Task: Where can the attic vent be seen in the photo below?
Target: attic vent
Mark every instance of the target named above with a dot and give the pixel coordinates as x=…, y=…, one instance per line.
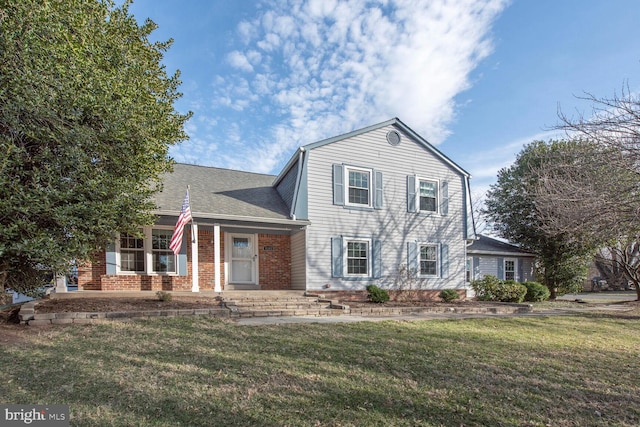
x=393, y=137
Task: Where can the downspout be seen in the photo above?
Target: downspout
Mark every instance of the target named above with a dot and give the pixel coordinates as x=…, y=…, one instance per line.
x=470, y=211
x=294, y=203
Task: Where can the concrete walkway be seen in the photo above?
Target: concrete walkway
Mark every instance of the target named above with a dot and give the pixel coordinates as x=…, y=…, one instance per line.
x=610, y=296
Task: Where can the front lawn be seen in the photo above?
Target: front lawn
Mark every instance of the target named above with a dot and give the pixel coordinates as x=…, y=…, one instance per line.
x=551, y=371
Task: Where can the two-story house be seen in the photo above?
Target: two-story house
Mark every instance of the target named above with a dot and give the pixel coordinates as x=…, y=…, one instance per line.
x=379, y=205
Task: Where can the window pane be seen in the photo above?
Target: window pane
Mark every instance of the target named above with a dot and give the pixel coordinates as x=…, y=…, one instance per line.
x=160, y=239
x=132, y=261
x=242, y=247
x=357, y=258
x=131, y=253
x=428, y=196
x=128, y=241
x=163, y=259
x=164, y=262
x=428, y=260
x=358, y=196
x=509, y=270
x=357, y=266
x=359, y=187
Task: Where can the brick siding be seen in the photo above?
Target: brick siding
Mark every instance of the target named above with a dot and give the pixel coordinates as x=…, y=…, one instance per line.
x=274, y=268
x=274, y=254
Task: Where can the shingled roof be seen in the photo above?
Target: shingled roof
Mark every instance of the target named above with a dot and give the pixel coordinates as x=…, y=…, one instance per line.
x=486, y=245
x=221, y=193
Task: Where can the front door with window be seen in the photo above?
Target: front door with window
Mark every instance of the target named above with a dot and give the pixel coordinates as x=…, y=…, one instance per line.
x=243, y=259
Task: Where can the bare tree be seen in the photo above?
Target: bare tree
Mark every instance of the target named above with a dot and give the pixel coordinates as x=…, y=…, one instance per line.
x=591, y=191
x=619, y=264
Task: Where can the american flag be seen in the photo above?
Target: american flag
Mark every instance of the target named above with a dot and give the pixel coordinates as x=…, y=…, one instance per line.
x=183, y=219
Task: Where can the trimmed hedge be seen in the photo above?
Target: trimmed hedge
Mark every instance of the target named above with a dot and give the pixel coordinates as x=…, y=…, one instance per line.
x=490, y=288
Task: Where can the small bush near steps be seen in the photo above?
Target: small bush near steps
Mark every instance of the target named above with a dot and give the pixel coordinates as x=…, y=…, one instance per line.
x=448, y=295
x=376, y=294
x=164, y=296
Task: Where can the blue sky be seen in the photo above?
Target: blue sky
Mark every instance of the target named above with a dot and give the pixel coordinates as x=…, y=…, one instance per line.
x=477, y=78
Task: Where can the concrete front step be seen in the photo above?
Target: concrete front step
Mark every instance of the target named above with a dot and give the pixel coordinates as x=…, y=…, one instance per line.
x=264, y=305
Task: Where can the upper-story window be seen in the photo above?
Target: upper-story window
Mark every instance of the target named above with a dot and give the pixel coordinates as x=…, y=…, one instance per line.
x=359, y=187
x=428, y=193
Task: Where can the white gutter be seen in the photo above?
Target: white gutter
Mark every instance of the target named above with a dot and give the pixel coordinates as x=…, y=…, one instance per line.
x=222, y=217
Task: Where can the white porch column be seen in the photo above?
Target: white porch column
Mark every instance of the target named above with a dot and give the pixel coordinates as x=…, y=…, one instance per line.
x=195, y=285
x=61, y=283
x=216, y=258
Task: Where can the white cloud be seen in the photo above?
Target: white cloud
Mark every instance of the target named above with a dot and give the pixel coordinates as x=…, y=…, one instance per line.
x=319, y=68
x=239, y=60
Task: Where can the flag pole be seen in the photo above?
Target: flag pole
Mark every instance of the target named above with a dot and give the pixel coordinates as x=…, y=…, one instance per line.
x=195, y=285
x=193, y=238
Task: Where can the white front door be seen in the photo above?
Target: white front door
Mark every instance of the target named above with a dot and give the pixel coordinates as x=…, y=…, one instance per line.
x=243, y=259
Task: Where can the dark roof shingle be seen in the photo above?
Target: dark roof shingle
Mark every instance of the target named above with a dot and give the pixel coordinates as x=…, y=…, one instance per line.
x=216, y=191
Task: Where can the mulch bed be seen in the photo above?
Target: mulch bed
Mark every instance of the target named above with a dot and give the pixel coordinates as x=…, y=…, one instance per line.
x=105, y=305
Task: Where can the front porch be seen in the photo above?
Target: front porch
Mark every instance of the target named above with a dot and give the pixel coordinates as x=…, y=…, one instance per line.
x=224, y=257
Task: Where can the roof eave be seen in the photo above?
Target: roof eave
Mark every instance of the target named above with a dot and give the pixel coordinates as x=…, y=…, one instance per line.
x=240, y=218
x=292, y=161
x=501, y=253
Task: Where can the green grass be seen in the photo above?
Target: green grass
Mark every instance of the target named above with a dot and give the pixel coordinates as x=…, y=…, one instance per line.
x=549, y=371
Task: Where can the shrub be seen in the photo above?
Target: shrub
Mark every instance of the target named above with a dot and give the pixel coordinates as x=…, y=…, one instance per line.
x=449, y=295
x=512, y=291
x=490, y=288
x=164, y=296
x=376, y=294
x=536, y=292
x=486, y=289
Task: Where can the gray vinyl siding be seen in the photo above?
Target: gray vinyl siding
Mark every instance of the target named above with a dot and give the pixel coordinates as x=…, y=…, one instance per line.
x=489, y=265
x=286, y=186
x=528, y=272
x=392, y=224
x=298, y=260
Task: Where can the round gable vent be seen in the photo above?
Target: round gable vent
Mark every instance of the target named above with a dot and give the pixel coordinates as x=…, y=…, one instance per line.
x=393, y=137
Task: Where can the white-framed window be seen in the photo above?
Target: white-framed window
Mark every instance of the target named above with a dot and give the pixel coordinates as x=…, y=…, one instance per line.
x=358, y=185
x=131, y=253
x=428, y=259
x=357, y=257
x=509, y=269
x=469, y=269
x=428, y=195
x=163, y=258
x=146, y=255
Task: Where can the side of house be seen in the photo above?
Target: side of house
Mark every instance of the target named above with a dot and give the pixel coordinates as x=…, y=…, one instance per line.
x=489, y=256
x=385, y=208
